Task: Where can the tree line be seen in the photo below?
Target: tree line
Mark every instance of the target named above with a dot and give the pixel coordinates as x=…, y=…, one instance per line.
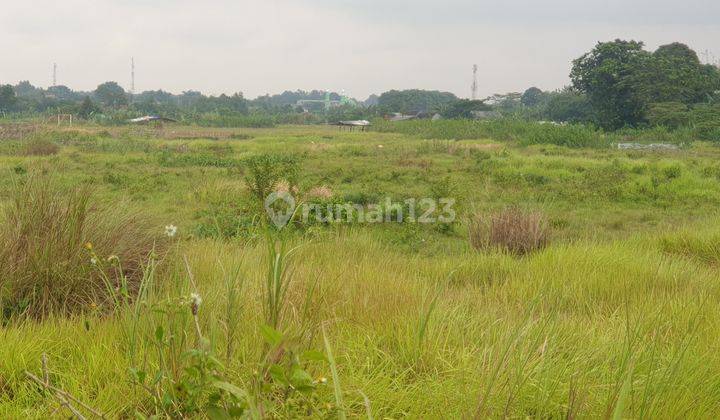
x=615, y=85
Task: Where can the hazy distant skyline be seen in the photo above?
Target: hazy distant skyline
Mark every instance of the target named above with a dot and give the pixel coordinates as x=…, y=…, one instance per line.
x=360, y=47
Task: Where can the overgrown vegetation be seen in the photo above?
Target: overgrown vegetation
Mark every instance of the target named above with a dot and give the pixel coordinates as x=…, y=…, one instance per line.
x=514, y=230
x=51, y=239
x=609, y=311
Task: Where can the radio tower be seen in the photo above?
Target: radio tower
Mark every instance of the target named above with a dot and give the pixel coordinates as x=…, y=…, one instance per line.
x=132, y=75
x=54, y=74
x=474, y=84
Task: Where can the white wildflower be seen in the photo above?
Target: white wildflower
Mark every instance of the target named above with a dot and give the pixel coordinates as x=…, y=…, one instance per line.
x=93, y=261
x=170, y=230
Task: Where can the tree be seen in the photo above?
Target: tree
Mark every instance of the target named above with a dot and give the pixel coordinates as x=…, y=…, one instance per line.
x=668, y=114
x=87, y=108
x=62, y=93
x=569, y=105
x=26, y=90
x=677, y=75
x=464, y=108
x=8, y=100
x=414, y=101
x=611, y=75
x=111, y=94
x=506, y=102
x=532, y=97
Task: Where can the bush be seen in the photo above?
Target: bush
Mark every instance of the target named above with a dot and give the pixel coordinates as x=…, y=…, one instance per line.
x=706, y=121
x=39, y=147
x=266, y=171
x=502, y=129
x=668, y=114
x=565, y=135
x=226, y=212
x=45, y=267
x=512, y=230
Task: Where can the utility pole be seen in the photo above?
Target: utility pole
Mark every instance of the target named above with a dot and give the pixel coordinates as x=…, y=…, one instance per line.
x=54, y=74
x=474, y=83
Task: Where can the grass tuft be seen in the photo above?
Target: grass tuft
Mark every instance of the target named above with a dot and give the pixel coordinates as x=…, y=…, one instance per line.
x=39, y=147
x=512, y=229
x=52, y=242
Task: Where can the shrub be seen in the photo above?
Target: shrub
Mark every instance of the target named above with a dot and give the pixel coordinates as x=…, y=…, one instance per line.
x=512, y=229
x=44, y=264
x=668, y=114
x=502, y=129
x=226, y=213
x=266, y=171
x=706, y=121
x=39, y=147
x=565, y=135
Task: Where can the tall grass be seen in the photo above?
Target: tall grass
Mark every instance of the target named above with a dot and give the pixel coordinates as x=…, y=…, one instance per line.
x=52, y=239
x=512, y=229
x=505, y=129
x=533, y=132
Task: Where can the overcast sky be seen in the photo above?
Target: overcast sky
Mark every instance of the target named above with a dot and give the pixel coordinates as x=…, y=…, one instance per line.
x=360, y=46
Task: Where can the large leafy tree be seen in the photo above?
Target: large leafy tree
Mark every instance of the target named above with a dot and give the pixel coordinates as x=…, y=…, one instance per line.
x=612, y=77
x=569, y=105
x=533, y=97
x=111, y=94
x=677, y=75
x=8, y=100
x=627, y=85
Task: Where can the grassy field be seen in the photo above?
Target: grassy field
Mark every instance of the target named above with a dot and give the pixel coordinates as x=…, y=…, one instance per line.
x=616, y=317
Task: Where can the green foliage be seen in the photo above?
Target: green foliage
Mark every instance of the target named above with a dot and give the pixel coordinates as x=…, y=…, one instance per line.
x=414, y=101
x=677, y=75
x=525, y=132
x=227, y=214
x=172, y=159
x=87, y=108
x=111, y=95
x=533, y=97
x=609, y=75
x=45, y=267
x=8, y=101
x=265, y=171
x=565, y=135
x=621, y=80
x=232, y=120
x=706, y=121
x=569, y=106
x=621, y=310
x=464, y=108
x=668, y=114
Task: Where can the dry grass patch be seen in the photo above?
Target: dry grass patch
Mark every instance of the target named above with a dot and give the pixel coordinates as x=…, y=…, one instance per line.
x=513, y=230
x=39, y=147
